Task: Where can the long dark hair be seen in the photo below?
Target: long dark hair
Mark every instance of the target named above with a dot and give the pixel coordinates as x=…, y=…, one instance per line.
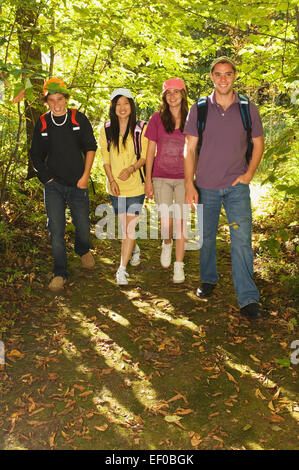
x=166, y=116
x=114, y=124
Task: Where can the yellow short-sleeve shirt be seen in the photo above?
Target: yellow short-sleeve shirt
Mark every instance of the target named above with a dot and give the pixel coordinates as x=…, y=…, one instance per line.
x=119, y=161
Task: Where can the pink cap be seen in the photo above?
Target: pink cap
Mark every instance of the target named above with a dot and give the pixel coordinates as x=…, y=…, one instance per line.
x=176, y=83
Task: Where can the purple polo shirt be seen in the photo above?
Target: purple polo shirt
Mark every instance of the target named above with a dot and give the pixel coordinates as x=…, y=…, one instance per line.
x=224, y=143
x=169, y=160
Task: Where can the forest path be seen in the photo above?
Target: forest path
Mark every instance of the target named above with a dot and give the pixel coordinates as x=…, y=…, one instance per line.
x=148, y=365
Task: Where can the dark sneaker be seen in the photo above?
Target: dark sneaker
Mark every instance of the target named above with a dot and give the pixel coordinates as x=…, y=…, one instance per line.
x=205, y=290
x=252, y=311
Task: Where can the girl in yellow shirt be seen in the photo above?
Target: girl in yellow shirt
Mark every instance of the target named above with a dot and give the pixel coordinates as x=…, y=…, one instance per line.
x=126, y=190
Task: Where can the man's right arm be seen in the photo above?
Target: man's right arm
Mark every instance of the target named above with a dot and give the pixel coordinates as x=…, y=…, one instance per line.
x=38, y=155
x=190, y=154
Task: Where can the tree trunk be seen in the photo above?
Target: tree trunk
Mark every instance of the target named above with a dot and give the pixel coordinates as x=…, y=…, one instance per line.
x=31, y=58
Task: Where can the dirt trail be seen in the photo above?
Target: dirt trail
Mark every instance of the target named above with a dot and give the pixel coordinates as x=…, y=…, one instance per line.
x=148, y=366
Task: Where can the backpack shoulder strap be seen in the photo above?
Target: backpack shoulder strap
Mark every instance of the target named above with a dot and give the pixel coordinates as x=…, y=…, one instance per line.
x=137, y=137
x=245, y=112
x=137, y=145
x=43, y=121
x=73, y=117
x=108, y=133
x=247, y=123
x=202, y=112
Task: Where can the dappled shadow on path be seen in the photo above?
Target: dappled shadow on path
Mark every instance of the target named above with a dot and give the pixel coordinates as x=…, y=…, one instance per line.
x=148, y=366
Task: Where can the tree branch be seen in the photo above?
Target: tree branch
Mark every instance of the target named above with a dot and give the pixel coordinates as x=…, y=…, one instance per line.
x=256, y=32
x=9, y=38
x=52, y=50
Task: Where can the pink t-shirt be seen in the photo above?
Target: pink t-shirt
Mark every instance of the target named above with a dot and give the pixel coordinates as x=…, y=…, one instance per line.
x=169, y=161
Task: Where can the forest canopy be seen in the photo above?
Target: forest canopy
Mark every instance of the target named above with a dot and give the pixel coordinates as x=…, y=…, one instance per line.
x=96, y=46
x=152, y=365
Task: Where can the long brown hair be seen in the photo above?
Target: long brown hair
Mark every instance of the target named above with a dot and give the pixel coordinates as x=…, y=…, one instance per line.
x=114, y=123
x=166, y=116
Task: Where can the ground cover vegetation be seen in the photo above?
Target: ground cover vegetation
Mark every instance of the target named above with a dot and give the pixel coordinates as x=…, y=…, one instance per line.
x=149, y=366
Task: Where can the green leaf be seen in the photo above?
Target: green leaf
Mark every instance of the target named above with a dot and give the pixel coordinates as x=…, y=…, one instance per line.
x=172, y=419
x=28, y=83
x=283, y=362
x=18, y=87
x=247, y=427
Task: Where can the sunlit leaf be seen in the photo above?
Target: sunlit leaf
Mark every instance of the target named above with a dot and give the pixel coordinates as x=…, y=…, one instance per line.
x=172, y=419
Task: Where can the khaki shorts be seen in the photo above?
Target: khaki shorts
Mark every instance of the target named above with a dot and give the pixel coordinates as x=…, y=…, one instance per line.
x=169, y=195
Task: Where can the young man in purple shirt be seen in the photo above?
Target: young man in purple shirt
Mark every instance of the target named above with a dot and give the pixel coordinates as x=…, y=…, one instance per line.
x=223, y=177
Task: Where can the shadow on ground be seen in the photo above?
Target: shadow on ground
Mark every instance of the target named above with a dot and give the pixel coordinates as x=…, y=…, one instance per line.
x=148, y=366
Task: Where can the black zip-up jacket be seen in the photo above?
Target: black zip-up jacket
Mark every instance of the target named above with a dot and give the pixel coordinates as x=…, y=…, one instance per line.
x=60, y=154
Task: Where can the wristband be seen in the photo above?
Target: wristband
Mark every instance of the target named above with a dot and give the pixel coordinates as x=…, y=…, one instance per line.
x=110, y=182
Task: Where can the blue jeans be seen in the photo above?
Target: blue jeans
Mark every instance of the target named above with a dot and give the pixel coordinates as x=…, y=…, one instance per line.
x=236, y=202
x=56, y=197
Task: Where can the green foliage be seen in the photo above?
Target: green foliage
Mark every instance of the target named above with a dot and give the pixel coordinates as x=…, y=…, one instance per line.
x=98, y=46
x=283, y=362
x=281, y=156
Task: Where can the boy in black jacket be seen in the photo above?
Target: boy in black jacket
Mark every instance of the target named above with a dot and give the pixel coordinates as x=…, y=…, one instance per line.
x=62, y=152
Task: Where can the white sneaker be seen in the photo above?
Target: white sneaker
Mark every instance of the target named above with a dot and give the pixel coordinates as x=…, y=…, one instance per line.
x=165, y=257
x=178, y=272
x=121, y=276
x=135, y=258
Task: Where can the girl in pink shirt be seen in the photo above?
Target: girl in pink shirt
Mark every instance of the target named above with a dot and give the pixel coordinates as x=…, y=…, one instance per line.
x=165, y=170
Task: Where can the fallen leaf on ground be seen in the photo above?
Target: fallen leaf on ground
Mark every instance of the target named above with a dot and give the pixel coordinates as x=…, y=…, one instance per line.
x=53, y=376
x=231, y=378
x=275, y=419
x=37, y=423
x=172, y=419
x=247, y=427
x=101, y=428
x=15, y=353
x=259, y=394
x=178, y=397
x=85, y=394
x=195, y=439
x=271, y=406
x=255, y=359
x=182, y=412
x=35, y=412
x=79, y=387
x=276, y=394
x=51, y=439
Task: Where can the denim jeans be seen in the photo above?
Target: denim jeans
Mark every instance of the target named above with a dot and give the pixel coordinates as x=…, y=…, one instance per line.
x=56, y=197
x=127, y=205
x=236, y=202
